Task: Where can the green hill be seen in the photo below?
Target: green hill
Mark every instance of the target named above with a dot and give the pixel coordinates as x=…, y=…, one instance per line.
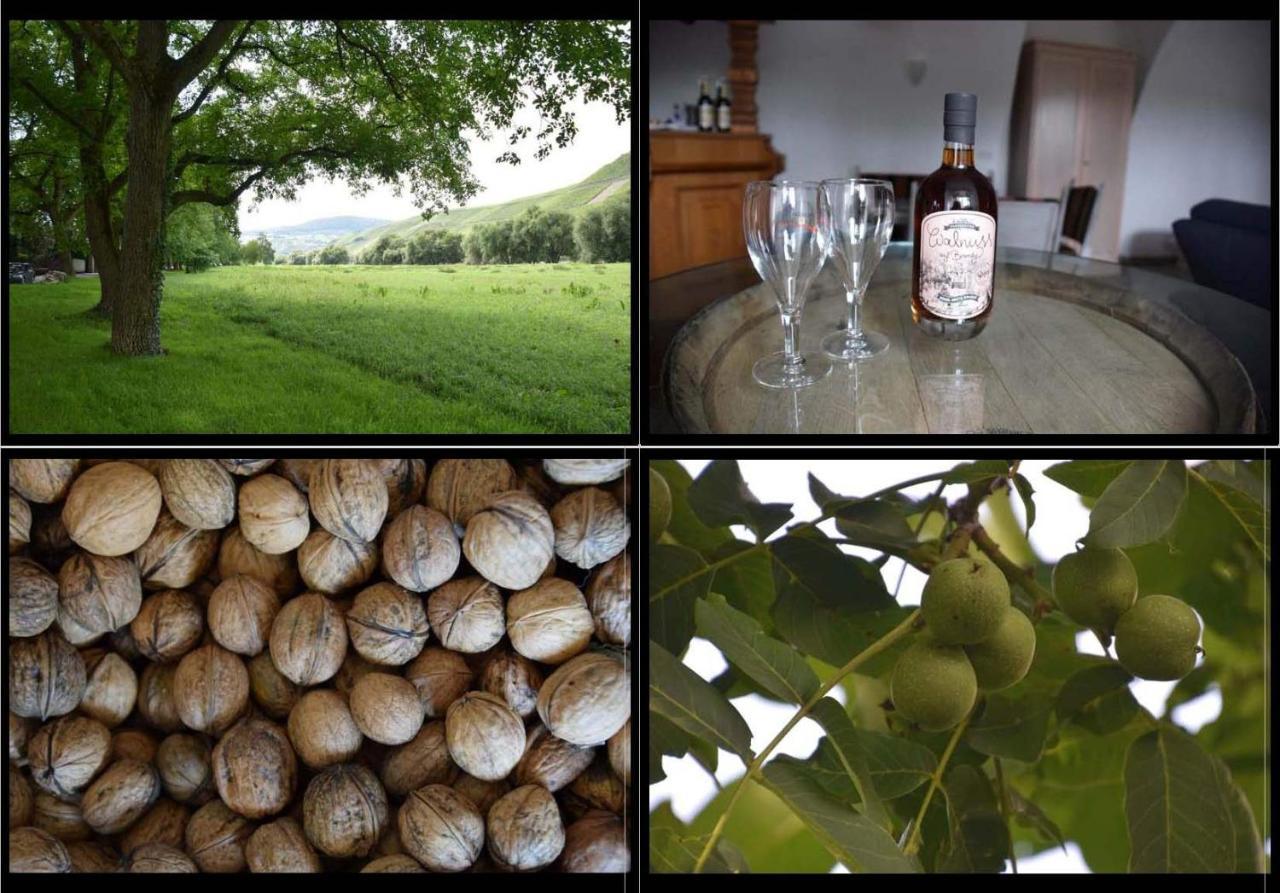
x=611, y=183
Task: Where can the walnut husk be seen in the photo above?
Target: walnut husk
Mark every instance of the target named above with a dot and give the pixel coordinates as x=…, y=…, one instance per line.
x=184, y=762
x=514, y=678
x=19, y=522
x=281, y=846
x=620, y=753
x=159, y=858
x=550, y=761
x=239, y=556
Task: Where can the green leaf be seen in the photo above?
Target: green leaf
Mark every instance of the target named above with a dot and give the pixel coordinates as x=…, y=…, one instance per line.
x=747, y=582
x=848, y=752
x=1245, y=839
x=822, y=495
x=685, y=527
x=897, y=765
x=720, y=497
x=674, y=852
x=1029, y=815
x=835, y=635
x=832, y=577
x=1010, y=728
x=762, y=825
x=1243, y=509
x=1178, y=818
x=855, y=840
x=979, y=839
x=875, y=523
x=1098, y=698
x=1088, y=477
x=977, y=472
x=1026, y=491
x=1140, y=505
x=686, y=699
x=775, y=666
x=678, y=577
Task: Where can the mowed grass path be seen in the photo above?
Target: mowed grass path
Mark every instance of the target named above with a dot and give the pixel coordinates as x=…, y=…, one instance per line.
x=529, y=348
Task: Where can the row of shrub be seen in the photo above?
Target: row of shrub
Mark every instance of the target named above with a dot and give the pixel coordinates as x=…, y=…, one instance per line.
x=599, y=235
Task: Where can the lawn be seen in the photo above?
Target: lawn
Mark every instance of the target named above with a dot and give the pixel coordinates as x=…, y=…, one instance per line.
x=537, y=348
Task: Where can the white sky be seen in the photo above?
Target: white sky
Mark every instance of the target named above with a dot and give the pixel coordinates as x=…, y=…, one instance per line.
x=600, y=140
x=1060, y=521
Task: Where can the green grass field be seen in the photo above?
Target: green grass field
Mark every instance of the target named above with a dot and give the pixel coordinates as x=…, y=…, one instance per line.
x=538, y=348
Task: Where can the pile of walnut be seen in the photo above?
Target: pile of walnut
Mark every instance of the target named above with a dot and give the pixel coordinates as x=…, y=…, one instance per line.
x=381, y=665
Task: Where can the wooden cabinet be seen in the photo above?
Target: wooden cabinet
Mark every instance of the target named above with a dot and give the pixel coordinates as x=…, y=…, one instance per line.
x=1071, y=111
x=696, y=184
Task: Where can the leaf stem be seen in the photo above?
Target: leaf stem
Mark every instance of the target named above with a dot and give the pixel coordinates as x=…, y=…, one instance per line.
x=915, y=534
x=882, y=644
x=1021, y=576
x=913, y=843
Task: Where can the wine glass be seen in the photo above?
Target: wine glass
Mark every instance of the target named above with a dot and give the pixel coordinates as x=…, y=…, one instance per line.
x=858, y=232
x=785, y=222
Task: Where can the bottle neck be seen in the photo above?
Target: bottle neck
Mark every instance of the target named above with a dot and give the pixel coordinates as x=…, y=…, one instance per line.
x=957, y=154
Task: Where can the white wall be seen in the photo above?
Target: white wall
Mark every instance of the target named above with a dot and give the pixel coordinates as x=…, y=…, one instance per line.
x=1142, y=38
x=679, y=54
x=1201, y=129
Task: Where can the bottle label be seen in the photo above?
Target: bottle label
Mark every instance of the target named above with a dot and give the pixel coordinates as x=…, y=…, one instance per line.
x=705, y=116
x=722, y=117
x=957, y=263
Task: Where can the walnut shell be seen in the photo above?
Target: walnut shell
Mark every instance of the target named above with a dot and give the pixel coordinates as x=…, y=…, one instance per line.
x=406, y=480
x=21, y=800
x=19, y=522
x=308, y=639
x=524, y=829
x=348, y=498
x=42, y=480
x=586, y=699
x=609, y=599
x=61, y=818
x=66, y=754
x=20, y=731
x=420, y=550
x=273, y=514
x=120, y=796
x=387, y=624
x=459, y=488
x=620, y=753
x=514, y=678
x=421, y=761
x=353, y=669
x=159, y=858
x=481, y=792
x=394, y=864
x=168, y=625
x=33, y=850
x=156, y=702
x=246, y=467
x=46, y=676
x=596, y=843
x=467, y=615
x=92, y=857
x=344, y=811
x=254, y=768
x=211, y=689
x=386, y=708
x=332, y=565
x=241, y=611
x=485, y=737
x=216, y=838
x=550, y=761
x=96, y=595
x=165, y=823
x=596, y=788
x=441, y=828
x=510, y=540
x=50, y=544
x=185, y=765
x=577, y=472
x=239, y=556
x=322, y=729
x=590, y=527
x=441, y=677
x=134, y=744
x=111, y=508
x=33, y=598
x=297, y=471
x=549, y=622
x=176, y=555
x=199, y=493
x=270, y=689
x=281, y=846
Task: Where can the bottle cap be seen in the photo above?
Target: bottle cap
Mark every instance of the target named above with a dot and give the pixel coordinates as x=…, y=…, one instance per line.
x=959, y=114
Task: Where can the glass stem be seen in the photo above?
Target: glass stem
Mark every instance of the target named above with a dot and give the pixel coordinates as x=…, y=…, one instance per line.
x=854, y=300
x=790, y=335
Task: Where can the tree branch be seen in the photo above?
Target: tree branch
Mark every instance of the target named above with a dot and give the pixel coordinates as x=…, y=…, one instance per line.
x=106, y=43
x=377, y=60
x=217, y=76
x=197, y=59
x=53, y=107
x=187, y=196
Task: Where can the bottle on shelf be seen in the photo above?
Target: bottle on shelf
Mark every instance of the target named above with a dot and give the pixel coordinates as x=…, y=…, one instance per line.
x=706, y=108
x=953, y=263
x=723, y=106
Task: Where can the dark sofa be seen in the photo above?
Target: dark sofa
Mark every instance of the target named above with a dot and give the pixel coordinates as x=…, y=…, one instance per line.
x=1228, y=248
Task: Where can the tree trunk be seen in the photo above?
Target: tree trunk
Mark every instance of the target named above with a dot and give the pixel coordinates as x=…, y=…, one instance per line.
x=104, y=251
x=135, y=320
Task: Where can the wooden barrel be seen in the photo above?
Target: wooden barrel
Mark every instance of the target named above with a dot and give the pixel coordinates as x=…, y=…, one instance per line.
x=1062, y=354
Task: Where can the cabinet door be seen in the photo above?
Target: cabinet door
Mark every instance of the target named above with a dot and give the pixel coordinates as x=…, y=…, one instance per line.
x=697, y=219
x=1060, y=85
x=1105, y=149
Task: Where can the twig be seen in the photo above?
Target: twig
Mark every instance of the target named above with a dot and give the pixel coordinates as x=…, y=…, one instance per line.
x=935, y=779
x=1022, y=577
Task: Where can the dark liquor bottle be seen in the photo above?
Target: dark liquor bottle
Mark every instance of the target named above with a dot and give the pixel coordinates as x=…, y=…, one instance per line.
x=953, y=267
x=706, y=109
x=722, y=108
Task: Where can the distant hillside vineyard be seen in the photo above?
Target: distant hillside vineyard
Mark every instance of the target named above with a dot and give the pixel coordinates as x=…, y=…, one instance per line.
x=611, y=183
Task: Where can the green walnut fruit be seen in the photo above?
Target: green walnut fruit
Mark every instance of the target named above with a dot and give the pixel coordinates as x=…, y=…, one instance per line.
x=1004, y=659
x=1156, y=638
x=1095, y=586
x=659, y=504
x=933, y=685
x=964, y=601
